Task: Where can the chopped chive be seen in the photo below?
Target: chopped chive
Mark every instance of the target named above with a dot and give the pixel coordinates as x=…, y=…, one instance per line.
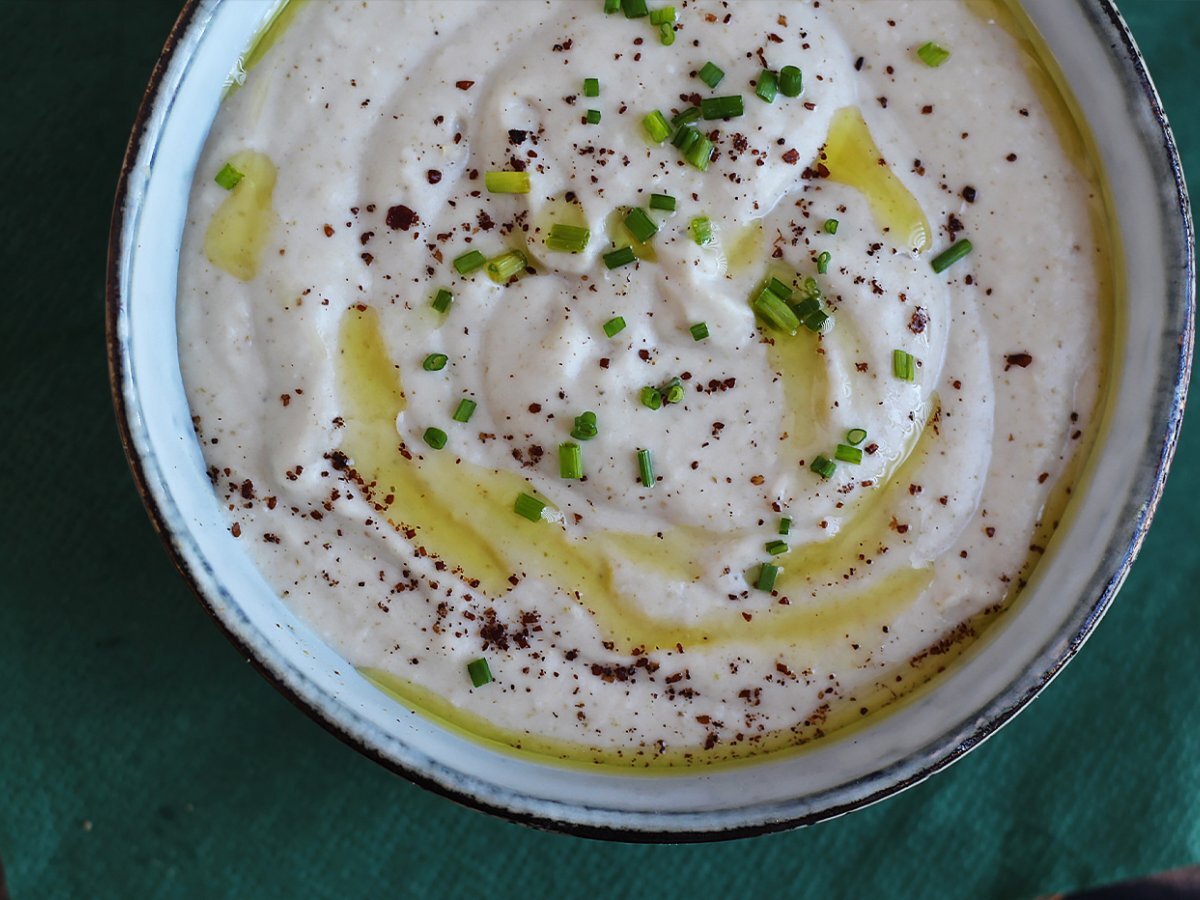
x=831, y=226
x=672, y=391
x=506, y=265
x=816, y=321
x=585, y=427
x=656, y=126
x=507, y=182
x=791, y=81
x=614, y=326
x=612, y=6
x=529, y=507
x=702, y=230
x=651, y=397
x=228, y=177
x=689, y=115
x=766, y=577
x=592, y=117
x=617, y=258
x=768, y=86
x=846, y=453
x=685, y=137
x=591, y=87
x=646, y=468
x=775, y=548
x=464, y=410
x=811, y=288
x=634, y=9
x=435, y=438
x=779, y=289
x=640, y=225
x=785, y=525
x=711, y=74
x=722, y=107
x=666, y=34
x=480, y=672
x=806, y=308
x=435, y=362
x=823, y=262
x=775, y=312
x=699, y=331
x=662, y=15
x=951, y=255
x=699, y=153
x=570, y=461
x=469, y=262
x=856, y=436
x=904, y=366
x=824, y=466
x=442, y=300
x=932, y=54
x=568, y=238
x=662, y=201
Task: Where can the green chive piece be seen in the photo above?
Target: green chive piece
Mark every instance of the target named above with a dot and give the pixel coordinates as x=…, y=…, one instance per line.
x=785, y=525
x=776, y=548
x=651, y=397
x=529, y=507
x=570, y=461
x=722, y=107
x=775, y=312
x=699, y=331
x=435, y=362
x=656, y=126
x=951, y=255
x=711, y=74
x=687, y=117
x=634, y=9
x=469, y=262
x=646, y=468
x=662, y=201
x=811, y=288
x=817, y=321
x=791, y=81
x=846, y=453
x=831, y=226
x=806, y=308
x=662, y=15
x=442, y=300
x=904, y=366
x=464, y=410
x=614, y=326
x=585, y=427
x=612, y=6
x=640, y=225
x=435, y=438
x=666, y=34
x=228, y=177
x=823, y=262
x=768, y=86
x=507, y=182
x=480, y=672
x=592, y=117
x=779, y=289
x=591, y=87
x=932, y=54
x=506, y=265
x=856, y=436
x=617, y=258
x=699, y=154
x=672, y=391
x=824, y=466
x=702, y=230
x=568, y=238
x=685, y=137
x=766, y=577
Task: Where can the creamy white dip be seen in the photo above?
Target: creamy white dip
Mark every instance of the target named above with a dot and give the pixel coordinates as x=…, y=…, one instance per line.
x=633, y=622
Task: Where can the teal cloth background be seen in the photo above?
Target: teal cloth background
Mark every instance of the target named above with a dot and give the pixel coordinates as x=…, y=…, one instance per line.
x=141, y=757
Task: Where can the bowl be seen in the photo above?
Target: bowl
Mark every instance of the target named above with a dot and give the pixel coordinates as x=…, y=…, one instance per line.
x=1073, y=586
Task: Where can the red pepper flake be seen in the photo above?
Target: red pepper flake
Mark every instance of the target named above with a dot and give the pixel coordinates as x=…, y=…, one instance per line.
x=433, y=176
x=1017, y=359
x=401, y=217
x=464, y=85
x=791, y=157
x=328, y=230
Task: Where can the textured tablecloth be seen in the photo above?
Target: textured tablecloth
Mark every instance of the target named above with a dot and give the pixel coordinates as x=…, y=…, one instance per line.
x=140, y=756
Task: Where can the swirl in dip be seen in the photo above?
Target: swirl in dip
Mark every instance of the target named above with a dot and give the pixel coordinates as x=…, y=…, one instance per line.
x=744, y=454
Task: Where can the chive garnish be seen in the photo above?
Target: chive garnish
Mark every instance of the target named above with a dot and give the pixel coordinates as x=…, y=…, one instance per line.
x=228, y=177
x=614, y=326
x=775, y=548
x=689, y=115
x=775, y=311
x=702, y=231
x=634, y=9
x=904, y=366
x=662, y=16
x=507, y=182
x=646, y=468
x=791, y=81
x=710, y=74
x=612, y=6
x=617, y=258
x=506, y=265
x=480, y=672
x=768, y=86
x=779, y=289
x=816, y=321
x=464, y=410
x=585, y=427
x=831, y=226
x=662, y=201
x=666, y=34
x=469, y=262
x=699, y=331
x=656, y=126
x=823, y=262
x=932, y=54
x=567, y=238
x=699, y=153
x=570, y=461
x=529, y=507
x=592, y=117
x=722, y=107
x=951, y=255
x=846, y=453
x=591, y=87
x=824, y=466
x=640, y=225
x=442, y=300
x=766, y=577
x=856, y=436
x=435, y=438
x=785, y=525
x=651, y=397
x=435, y=362
x=672, y=391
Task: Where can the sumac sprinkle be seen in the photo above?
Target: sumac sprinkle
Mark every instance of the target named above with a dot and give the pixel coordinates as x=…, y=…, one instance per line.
x=1016, y=359
x=433, y=176
x=401, y=217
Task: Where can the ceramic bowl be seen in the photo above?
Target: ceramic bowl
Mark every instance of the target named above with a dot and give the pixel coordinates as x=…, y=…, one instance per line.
x=1074, y=585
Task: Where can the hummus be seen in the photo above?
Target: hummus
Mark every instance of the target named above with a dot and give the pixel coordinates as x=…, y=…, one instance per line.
x=697, y=444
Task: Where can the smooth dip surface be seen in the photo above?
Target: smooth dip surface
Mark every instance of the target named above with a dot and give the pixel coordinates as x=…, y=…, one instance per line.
x=634, y=618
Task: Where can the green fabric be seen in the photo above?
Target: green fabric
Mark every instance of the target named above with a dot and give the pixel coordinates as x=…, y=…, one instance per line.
x=140, y=756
